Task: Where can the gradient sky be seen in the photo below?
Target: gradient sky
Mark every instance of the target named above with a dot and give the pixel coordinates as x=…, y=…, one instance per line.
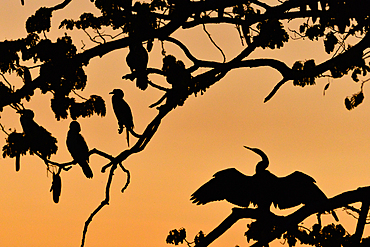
x=299, y=129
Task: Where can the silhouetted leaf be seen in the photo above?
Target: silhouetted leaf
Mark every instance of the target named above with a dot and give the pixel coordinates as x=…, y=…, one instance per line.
x=354, y=101
x=199, y=238
x=40, y=21
x=176, y=236
x=16, y=144
x=326, y=87
x=272, y=34
x=330, y=42
x=314, y=32
x=60, y=105
x=355, y=74
x=95, y=104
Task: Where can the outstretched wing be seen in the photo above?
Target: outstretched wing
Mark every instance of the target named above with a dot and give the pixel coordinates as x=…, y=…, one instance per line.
x=295, y=189
x=229, y=185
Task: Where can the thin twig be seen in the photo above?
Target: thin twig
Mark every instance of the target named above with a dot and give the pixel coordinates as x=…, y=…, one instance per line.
x=128, y=180
x=209, y=36
x=10, y=85
x=91, y=38
x=3, y=129
x=74, y=91
x=102, y=204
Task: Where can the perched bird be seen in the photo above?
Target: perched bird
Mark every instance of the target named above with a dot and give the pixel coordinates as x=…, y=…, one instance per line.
x=123, y=113
x=38, y=138
x=78, y=149
x=261, y=189
x=137, y=60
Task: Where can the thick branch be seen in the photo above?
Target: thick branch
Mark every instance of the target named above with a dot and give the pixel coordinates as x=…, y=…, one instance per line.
x=144, y=139
x=284, y=223
x=325, y=66
x=361, y=222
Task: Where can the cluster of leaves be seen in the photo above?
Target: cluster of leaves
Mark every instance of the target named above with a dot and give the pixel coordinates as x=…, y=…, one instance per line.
x=258, y=230
x=271, y=34
x=19, y=143
x=307, y=66
x=329, y=236
x=59, y=75
x=342, y=16
x=244, y=11
x=176, y=236
x=5, y=91
x=40, y=21
x=16, y=145
x=117, y=14
x=9, y=60
x=179, y=236
x=342, y=19
x=354, y=100
x=60, y=106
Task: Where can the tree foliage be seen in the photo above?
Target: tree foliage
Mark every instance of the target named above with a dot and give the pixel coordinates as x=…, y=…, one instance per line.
x=340, y=25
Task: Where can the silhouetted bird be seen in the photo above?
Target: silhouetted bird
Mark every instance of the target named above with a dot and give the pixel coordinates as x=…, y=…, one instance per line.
x=56, y=187
x=123, y=113
x=38, y=138
x=261, y=189
x=77, y=146
x=137, y=60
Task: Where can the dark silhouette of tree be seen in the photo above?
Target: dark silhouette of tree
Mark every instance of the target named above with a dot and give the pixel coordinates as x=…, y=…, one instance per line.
x=342, y=27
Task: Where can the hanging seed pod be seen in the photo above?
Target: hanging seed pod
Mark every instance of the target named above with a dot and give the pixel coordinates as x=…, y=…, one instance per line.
x=56, y=187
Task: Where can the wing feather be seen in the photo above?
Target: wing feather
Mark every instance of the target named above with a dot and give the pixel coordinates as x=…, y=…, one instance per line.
x=295, y=189
x=230, y=185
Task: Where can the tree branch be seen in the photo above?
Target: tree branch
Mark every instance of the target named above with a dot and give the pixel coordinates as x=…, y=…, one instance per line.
x=102, y=204
x=285, y=222
x=361, y=221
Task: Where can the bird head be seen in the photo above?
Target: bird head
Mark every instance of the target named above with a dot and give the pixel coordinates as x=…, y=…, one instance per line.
x=27, y=113
x=264, y=163
x=75, y=126
x=117, y=92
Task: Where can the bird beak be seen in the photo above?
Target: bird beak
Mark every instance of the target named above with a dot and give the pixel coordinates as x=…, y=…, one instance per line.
x=111, y=92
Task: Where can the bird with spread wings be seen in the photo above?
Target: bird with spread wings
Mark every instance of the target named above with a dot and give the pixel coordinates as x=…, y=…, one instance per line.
x=262, y=189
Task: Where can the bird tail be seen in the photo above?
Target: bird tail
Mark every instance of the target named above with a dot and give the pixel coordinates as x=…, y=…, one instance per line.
x=127, y=136
x=132, y=131
x=86, y=169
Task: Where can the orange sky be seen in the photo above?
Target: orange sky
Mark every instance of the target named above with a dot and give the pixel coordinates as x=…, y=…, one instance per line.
x=299, y=129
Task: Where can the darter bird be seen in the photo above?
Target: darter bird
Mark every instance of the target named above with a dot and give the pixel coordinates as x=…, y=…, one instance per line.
x=123, y=113
x=78, y=148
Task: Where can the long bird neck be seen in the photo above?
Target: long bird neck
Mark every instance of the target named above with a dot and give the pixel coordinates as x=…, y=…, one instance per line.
x=261, y=166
